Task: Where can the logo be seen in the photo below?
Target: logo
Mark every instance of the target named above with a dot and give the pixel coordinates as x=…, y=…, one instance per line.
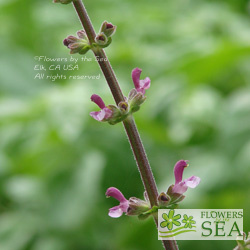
x=200, y=224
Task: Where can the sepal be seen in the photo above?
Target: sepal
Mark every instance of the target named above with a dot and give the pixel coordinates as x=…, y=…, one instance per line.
x=108, y=28
x=137, y=206
x=175, y=197
x=135, y=99
x=163, y=199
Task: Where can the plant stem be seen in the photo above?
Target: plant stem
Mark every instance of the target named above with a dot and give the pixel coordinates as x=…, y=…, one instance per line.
x=129, y=124
x=100, y=54
x=141, y=159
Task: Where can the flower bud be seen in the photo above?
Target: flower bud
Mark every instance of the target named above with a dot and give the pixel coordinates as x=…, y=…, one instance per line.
x=175, y=197
x=123, y=106
x=163, y=199
x=71, y=39
x=77, y=44
x=119, y=113
x=132, y=94
x=108, y=28
x=81, y=34
x=62, y=1
x=116, y=115
x=137, y=206
x=101, y=39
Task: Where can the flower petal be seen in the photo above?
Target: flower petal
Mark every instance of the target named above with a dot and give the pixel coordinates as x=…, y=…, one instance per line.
x=192, y=181
x=115, y=193
x=124, y=206
x=182, y=187
x=141, y=90
x=178, y=170
x=115, y=212
x=98, y=100
x=179, y=188
x=72, y=39
x=145, y=84
x=108, y=113
x=136, y=73
x=98, y=115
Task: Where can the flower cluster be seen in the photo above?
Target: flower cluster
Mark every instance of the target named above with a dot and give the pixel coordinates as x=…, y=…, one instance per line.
x=174, y=195
x=79, y=44
x=103, y=39
x=113, y=114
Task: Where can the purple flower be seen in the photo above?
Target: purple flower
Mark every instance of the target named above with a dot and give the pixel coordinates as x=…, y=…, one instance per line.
x=102, y=115
x=140, y=85
x=180, y=186
x=117, y=211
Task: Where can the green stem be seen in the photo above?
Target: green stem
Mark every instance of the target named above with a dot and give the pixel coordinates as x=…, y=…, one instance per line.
x=129, y=124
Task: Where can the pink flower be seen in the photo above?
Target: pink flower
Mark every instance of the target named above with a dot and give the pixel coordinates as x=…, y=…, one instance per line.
x=180, y=186
x=102, y=115
x=117, y=211
x=140, y=85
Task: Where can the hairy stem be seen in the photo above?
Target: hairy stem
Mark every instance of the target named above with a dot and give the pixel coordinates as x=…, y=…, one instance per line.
x=100, y=54
x=129, y=124
x=141, y=159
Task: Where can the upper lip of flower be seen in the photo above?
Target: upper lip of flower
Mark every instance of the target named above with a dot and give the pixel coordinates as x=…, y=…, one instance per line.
x=98, y=100
x=178, y=170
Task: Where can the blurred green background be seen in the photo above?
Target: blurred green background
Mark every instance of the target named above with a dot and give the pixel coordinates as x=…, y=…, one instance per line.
x=56, y=162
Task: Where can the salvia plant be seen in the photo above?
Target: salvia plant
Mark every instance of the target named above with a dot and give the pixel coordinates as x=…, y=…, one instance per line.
x=122, y=111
